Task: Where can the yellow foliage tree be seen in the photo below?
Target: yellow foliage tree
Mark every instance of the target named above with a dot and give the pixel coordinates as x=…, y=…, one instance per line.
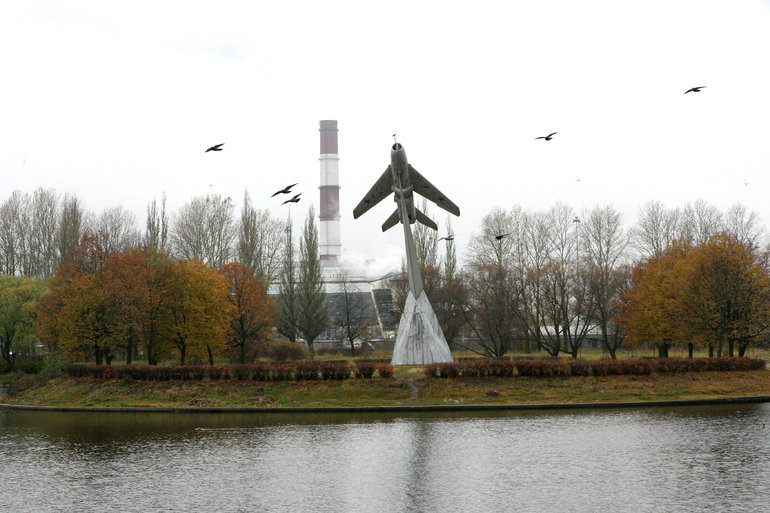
x=725, y=294
x=200, y=311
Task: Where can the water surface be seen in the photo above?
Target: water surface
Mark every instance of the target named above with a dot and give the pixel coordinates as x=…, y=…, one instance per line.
x=714, y=458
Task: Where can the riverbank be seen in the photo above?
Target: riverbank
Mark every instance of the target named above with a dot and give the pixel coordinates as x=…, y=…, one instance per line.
x=409, y=388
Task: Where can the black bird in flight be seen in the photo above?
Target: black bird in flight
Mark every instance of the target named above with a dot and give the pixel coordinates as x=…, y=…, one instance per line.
x=448, y=238
x=547, y=137
x=694, y=89
x=216, y=147
x=295, y=199
x=500, y=236
x=285, y=190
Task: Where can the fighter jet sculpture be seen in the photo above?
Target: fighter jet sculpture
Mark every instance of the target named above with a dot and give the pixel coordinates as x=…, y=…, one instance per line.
x=402, y=179
x=420, y=340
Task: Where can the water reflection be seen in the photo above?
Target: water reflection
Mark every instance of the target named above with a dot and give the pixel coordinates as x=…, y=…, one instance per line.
x=673, y=459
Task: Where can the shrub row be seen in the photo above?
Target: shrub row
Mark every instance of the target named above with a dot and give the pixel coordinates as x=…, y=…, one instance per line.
x=305, y=370
x=472, y=368
x=481, y=367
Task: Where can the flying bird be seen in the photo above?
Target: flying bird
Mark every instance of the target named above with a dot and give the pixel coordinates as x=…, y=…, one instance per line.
x=448, y=238
x=694, y=89
x=547, y=137
x=216, y=147
x=295, y=199
x=285, y=190
x=499, y=236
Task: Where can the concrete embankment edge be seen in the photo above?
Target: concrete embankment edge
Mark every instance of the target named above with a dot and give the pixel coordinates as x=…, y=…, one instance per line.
x=400, y=408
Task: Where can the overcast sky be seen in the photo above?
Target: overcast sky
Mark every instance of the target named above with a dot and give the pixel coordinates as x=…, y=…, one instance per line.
x=117, y=101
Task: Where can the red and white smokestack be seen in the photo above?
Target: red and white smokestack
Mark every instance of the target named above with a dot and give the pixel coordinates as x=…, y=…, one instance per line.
x=330, y=246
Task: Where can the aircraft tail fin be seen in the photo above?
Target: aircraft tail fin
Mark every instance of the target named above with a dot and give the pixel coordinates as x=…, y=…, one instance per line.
x=391, y=222
x=427, y=221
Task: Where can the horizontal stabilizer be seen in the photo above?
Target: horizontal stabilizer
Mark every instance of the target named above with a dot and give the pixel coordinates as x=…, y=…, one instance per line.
x=391, y=222
x=427, y=221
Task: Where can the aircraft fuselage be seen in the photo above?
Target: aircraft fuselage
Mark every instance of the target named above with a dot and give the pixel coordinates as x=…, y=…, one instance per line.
x=402, y=183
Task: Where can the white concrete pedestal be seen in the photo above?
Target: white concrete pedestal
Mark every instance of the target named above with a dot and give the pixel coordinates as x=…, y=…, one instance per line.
x=420, y=340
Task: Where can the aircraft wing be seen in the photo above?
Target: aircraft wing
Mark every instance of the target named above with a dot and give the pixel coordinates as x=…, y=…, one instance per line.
x=381, y=189
x=426, y=189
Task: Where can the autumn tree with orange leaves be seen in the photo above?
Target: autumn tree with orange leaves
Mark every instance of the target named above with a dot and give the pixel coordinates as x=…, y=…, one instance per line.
x=716, y=295
x=74, y=316
x=101, y=304
x=254, y=315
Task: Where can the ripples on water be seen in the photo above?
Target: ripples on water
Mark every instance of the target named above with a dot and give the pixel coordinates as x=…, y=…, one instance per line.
x=674, y=459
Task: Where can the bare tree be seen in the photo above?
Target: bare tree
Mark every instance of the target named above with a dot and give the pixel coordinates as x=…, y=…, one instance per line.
x=450, y=255
x=495, y=242
x=744, y=225
x=567, y=304
x=259, y=241
x=700, y=221
x=205, y=229
x=29, y=224
x=44, y=217
x=448, y=298
x=313, y=315
x=12, y=234
x=603, y=246
x=655, y=230
x=116, y=229
x=426, y=247
x=351, y=312
x=532, y=257
x=487, y=309
x=425, y=241
x=491, y=296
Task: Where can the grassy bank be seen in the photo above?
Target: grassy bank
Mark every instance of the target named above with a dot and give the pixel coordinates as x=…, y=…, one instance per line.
x=408, y=387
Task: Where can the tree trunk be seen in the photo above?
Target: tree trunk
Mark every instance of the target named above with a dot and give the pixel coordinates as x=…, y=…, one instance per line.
x=711, y=351
x=690, y=350
x=720, y=340
x=211, y=355
x=663, y=350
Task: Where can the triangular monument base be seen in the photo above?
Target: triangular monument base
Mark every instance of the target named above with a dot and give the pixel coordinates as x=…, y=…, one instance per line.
x=420, y=340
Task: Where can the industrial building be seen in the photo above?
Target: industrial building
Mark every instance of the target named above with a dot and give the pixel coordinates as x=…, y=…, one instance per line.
x=372, y=296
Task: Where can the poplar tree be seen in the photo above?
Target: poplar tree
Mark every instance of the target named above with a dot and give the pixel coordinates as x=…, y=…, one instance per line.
x=157, y=225
x=287, y=297
x=313, y=314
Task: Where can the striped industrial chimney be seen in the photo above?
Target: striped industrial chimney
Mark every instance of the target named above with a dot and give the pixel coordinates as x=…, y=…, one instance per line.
x=330, y=245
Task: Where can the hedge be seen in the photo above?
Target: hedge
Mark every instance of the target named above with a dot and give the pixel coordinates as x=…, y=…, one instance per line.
x=304, y=370
x=313, y=370
x=482, y=367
